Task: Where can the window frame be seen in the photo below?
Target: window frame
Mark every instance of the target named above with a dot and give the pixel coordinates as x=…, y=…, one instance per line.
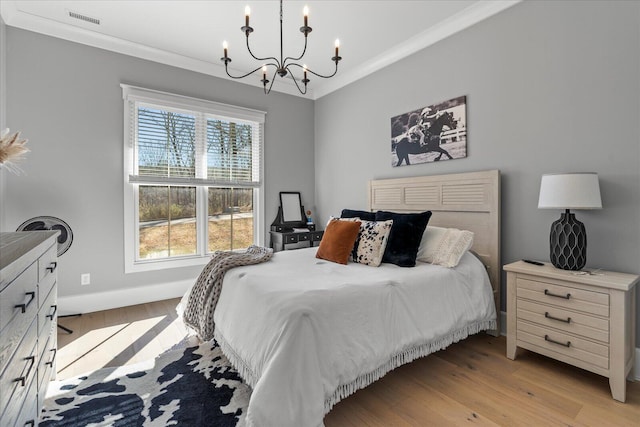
x=133, y=96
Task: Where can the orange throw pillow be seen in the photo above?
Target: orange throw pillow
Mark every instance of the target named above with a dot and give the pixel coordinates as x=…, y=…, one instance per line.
x=338, y=240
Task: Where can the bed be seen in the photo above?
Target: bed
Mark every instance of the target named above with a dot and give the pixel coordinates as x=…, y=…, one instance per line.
x=305, y=333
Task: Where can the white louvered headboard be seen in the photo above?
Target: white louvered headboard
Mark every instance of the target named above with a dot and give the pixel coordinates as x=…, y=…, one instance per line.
x=468, y=201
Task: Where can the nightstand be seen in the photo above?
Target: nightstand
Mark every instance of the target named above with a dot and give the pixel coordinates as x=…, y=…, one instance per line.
x=281, y=238
x=585, y=320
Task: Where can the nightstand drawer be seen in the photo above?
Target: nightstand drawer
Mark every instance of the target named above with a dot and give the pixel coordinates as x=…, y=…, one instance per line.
x=316, y=236
x=568, y=345
x=580, y=324
x=564, y=296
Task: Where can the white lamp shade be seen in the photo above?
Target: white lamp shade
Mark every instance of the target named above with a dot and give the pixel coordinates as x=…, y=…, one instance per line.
x=570, y=191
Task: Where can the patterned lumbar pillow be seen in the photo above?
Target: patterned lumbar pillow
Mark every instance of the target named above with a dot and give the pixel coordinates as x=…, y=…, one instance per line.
x=444, y=246
x=371, y=242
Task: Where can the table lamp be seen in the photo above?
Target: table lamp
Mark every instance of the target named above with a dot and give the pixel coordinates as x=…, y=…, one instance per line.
x=568, y=239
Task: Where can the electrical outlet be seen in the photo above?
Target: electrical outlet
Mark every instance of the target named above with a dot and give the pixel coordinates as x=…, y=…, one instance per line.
x=85, y=279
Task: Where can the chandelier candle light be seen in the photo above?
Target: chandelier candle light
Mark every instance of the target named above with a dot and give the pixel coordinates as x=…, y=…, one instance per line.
x=282, y=66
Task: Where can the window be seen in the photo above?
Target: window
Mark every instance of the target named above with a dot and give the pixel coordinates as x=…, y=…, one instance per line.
x=193, y=179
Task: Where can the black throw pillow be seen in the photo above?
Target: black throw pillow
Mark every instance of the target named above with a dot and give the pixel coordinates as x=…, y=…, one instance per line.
x=404, y=239
x=350, y=213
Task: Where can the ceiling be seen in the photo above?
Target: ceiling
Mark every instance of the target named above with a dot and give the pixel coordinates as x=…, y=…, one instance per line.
x=189, y=34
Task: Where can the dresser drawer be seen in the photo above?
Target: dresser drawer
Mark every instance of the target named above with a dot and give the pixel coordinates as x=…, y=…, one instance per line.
x=48, y=263
x=20, y=294
x=44, y=288
x=568, y=345
x=316, y=236
x=588, y=302
x=304, y=237
x=291, y=238
x=47, y=363
x=20, y=371
x=22, y=414
x=17, y=293
x=576, y=323
x=46, y=318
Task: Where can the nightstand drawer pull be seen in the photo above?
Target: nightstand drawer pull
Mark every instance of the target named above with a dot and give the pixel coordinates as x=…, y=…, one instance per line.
x=548, y=316
x=30, y=423
x=567, y=296
x=23, y=307
x=52, y=267
x=567, y=344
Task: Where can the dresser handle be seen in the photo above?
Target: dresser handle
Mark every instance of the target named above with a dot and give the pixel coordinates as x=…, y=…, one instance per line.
x=567, y=296
x=53, y=359
x=52, y=267
x=55, y=309
x=548, y=316
x=567, y=344
x=22, y=380
x=23, y=307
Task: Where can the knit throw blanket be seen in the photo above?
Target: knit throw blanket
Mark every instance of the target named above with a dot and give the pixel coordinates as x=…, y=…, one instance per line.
x=198, y=314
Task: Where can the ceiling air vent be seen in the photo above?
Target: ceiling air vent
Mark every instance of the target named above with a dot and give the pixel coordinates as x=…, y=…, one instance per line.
x=84, y=18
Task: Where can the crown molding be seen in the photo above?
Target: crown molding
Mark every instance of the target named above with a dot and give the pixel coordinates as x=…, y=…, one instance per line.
x=473, y=14
x=454, y=24
x=16, y=18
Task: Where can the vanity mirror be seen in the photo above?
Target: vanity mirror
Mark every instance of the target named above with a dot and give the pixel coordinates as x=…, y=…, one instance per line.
x=292, y=209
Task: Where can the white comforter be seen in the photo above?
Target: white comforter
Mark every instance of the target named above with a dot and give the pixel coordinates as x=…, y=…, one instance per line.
x=305, y=333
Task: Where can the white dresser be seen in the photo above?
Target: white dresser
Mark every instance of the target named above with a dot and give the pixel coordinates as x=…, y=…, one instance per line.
x=585, y=320
x=28, y=306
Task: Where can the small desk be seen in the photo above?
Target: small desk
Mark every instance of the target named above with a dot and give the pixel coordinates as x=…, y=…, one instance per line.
x=281, y=238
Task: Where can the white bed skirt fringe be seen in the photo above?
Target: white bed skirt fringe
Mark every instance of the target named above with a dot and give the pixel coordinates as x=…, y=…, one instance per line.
x=364, y=380
x=243, y=370
x=404, y=357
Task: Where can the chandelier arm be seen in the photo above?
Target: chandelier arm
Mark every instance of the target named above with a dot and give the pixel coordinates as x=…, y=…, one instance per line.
x=226, y=68
x=268, y=58
x=295, y=81
x=299, y=57
x=320, y=75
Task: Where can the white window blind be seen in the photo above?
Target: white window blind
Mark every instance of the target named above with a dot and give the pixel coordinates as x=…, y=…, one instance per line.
x=187, y=141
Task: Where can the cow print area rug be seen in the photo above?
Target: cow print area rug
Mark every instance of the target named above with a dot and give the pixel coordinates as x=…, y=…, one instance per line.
x=194, y=385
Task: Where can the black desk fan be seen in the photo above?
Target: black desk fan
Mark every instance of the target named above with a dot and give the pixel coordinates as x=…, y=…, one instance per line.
x=65, y=238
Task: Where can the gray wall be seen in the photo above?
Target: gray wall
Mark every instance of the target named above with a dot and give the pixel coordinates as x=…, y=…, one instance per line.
x=551, y=87
x=3, y=109
x=66, y=99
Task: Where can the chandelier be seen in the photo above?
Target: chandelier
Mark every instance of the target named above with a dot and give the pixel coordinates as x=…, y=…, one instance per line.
x=283, y=66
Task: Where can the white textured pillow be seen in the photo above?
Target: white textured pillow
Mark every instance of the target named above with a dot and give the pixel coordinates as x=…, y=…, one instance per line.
x=444, y=246
x=371, y=242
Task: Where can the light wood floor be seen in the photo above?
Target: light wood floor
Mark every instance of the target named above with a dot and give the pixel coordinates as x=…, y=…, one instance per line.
x=470, y=382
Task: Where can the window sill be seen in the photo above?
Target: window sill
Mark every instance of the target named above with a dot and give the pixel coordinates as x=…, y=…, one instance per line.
x=164, y=264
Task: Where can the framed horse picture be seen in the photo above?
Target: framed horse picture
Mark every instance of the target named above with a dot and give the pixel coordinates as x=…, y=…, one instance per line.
x=430, y=134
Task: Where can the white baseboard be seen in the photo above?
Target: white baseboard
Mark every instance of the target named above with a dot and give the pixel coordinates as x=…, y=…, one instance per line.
x=503, y=331
x=87, y=303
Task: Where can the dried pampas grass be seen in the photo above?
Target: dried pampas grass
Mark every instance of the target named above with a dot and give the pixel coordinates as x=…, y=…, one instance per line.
x=12, y=149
